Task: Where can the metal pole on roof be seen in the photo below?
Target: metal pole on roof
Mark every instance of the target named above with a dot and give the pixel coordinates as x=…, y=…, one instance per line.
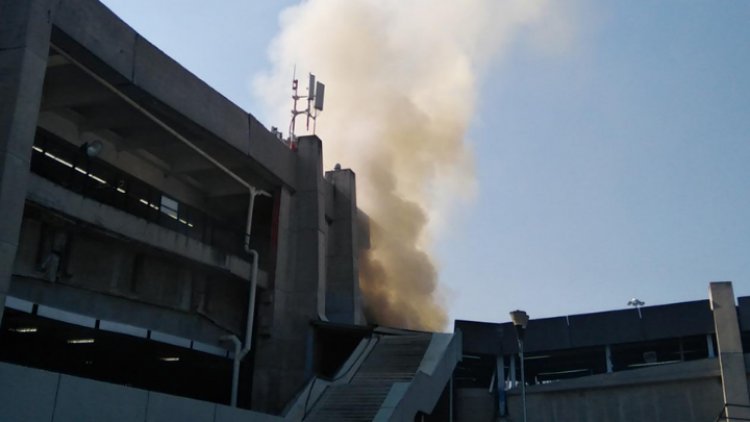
x=520, y=320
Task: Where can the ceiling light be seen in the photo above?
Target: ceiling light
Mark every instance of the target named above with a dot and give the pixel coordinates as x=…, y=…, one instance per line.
x=24, y=330
x=93, y=149
x=81, y=341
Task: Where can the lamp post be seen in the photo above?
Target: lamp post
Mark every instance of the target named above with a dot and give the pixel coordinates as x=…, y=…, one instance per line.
x=637, y=303
x=520, y=320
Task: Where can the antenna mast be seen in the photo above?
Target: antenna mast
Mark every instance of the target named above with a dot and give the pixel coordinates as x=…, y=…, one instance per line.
x=315, y=97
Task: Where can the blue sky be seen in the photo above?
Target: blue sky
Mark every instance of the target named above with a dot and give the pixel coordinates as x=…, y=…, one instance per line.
x=617, y=168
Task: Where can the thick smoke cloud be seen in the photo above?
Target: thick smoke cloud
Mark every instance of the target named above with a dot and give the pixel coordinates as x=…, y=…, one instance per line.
x=402, y=82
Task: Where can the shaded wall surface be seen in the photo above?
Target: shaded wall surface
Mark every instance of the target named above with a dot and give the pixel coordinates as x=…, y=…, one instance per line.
x=689, y=391
x=28, y=394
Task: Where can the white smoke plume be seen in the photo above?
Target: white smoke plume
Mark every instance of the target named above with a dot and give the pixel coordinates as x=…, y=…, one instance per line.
x=401, y=86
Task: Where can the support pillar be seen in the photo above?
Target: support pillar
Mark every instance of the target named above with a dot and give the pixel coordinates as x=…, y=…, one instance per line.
x=24, y=44
x=343, y=297
x=731, y=357
x=283, y=361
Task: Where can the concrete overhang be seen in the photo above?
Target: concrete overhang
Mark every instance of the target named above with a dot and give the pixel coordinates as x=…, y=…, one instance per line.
x=98, y=41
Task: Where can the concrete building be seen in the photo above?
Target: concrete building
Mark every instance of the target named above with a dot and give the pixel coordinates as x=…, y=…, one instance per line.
x=165, y=257
x=677, y=362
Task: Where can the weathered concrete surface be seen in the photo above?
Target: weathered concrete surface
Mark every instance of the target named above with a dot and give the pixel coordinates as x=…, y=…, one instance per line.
x=474, y=404
x=343, y=297
x=137, y=67
x=688, y=391
x=50, y=195
x=34, y=395
x=731, y=357
x=298, y=294
x=24, y=40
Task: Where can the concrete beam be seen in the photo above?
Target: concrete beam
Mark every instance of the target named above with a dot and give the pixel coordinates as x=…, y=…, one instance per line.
x=731, y=356
x=24, y=42
x=66, y=86
x=52, y=196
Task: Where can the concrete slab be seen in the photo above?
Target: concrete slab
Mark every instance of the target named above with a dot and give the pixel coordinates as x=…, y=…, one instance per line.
x=84, y=400
x=56, y=197
x=26, y=394
x=271, y=153
x=172, y=84
x=233, y=414
x=101, y=32
x=164, y=407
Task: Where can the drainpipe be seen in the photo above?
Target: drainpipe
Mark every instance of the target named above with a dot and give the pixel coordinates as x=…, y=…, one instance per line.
x=240, y=351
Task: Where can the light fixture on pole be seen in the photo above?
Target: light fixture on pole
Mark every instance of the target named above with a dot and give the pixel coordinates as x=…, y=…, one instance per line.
x=520, y=320
x=637, y=303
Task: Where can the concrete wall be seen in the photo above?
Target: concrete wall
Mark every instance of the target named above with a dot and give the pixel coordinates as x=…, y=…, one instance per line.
x=689, y=391
x=30, y=395
x=108, y=278
x=24, y=42
x=343, y=298
x=474, y=404
x=161, y=269
x=144, y=72
x=284, y=354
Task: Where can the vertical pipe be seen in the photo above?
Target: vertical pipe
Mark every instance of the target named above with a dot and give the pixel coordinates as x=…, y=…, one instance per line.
x=450, y=401
x=500, y=364
x=523, y=380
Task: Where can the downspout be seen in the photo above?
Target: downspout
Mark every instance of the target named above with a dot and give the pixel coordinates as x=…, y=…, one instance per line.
x=240, y=351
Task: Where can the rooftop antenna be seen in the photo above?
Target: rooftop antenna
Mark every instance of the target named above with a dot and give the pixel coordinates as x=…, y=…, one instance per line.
x=315, y=97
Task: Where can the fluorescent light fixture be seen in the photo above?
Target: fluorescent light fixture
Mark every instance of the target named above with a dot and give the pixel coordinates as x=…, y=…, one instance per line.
x=640, y=365
x=572, y=371
x=58, y=159
x=37, y=149
x=121, y=190
x=81, y=341
x=170, y=359
x=24, y=330
x=471, y=357
x=143, y=201
x=98, y=179
x=80, y=170
x=536, y=357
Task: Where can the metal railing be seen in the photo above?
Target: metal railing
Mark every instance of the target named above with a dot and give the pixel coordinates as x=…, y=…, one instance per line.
x=69, y=166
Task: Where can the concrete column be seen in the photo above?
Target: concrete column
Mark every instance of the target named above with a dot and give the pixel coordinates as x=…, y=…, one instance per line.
x=24, y=44
x=343, y=297
x=310, y=226
x=731, y=357
x=299, y=287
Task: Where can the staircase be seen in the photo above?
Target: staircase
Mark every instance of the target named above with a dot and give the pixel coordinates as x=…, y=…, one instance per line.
x=394, y=359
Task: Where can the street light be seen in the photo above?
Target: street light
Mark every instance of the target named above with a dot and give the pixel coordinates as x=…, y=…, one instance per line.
x=637, y=303
x=520, y=320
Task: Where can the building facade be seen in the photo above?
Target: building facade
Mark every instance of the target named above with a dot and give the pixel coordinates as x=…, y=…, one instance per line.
x=151, y=229
x=163, y=256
